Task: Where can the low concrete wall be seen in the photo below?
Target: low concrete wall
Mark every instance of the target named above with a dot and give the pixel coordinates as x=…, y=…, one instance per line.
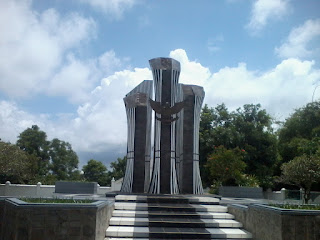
x=270, y=223
x=23, y=190
x=285, y=195
x=76, y=187
x=2, y=200
x=45, y=191
x=55, y=221
x=241, y=192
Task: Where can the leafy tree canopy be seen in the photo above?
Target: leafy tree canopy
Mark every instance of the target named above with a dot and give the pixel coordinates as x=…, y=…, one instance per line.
x=300, y=134
x=16, y=165
x=118, y=168
x=226, y=165
x=249, y=128
x=95, y=171
x=302, y=171
x=55, y=159
x=64, y=161
x=34, y=141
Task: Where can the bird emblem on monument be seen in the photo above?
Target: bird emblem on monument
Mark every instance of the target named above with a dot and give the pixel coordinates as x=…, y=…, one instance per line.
x=166, y=110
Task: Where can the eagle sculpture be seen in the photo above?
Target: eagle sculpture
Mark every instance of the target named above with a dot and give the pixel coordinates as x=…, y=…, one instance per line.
x=166, y=110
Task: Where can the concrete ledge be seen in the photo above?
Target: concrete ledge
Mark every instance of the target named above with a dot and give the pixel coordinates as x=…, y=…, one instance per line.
x=34, y=221
x=76, y=187
x=272, y=223
x=241, y=192
x=292, y=212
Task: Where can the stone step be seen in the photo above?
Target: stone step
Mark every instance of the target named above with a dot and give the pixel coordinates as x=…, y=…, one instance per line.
x=174, y=222
x=168, y=199
x=172, y=217
x=115, y=238
x=177, y=233
x=196, y=215
x=169, y=207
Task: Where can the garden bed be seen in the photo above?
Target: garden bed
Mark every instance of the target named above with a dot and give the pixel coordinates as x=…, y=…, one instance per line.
x=33, y=221
x=273, y=223
x=57, y=200
x=295, y=206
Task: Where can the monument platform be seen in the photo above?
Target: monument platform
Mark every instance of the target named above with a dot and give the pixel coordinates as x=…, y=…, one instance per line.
x=172, y=217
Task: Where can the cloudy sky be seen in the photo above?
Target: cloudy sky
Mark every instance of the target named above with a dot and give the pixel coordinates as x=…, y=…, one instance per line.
x=66, y=65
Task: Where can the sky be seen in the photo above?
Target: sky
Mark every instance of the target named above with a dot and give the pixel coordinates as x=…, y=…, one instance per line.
x=66, y=65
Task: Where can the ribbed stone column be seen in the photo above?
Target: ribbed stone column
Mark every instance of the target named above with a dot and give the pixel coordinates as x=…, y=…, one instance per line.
x=189, y=167
x=166, y=73
x=137, y=175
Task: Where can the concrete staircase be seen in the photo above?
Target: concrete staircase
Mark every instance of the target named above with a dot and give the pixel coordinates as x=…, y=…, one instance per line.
x=172, y=217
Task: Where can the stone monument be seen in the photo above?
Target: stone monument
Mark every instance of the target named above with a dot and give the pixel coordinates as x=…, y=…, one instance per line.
x=174, y=160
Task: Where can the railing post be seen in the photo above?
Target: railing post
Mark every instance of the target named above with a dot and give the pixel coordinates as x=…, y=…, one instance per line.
x=38, y=189
x=112, y=184
x=6, y=188
x=283, y=194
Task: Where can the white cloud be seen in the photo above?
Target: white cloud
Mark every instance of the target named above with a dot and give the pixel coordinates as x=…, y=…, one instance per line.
x=213, y=43
x=112, y=8
x=264, y=11
x=192, y=72
x=280, y=90
x=33, y=46
x=99, y=125
x=73, y=80
x=14, y=120
x=296, y=45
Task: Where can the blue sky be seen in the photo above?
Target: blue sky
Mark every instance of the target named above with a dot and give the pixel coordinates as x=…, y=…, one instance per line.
x=66, y=65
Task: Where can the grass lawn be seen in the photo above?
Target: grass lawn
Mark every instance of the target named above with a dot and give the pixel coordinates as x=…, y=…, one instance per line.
x=56, y=200
x=292, y=206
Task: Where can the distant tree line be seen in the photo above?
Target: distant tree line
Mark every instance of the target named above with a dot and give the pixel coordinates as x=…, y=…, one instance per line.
x=245, y=147
x=35, y=159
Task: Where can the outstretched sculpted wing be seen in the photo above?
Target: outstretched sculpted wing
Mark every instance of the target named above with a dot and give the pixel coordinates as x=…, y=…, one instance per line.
x=156, y=106
x=176, y=108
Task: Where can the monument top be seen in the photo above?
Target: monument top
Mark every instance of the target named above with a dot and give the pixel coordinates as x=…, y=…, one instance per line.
x=164, y=63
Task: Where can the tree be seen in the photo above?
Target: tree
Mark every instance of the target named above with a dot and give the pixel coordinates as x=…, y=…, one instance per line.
x=249, y=128
x=34, y=142
x=205, y=142
x=300, y=133
x=118, y=168
x=64, y=161
x=255, y=134
x=226, y=166
x=302, y=171
x=95, y=171
x=16, y=165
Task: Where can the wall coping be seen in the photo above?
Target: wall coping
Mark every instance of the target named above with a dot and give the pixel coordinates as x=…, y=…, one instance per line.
x=236, y=205
x=21, y=204
x=281, y=211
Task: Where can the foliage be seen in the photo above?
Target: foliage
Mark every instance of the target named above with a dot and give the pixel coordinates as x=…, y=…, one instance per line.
x=118, y=168
x=300, y=133
x=64, y=161
x=95, y=171
x=249, y=128
x=248, y=181
x=16, y=165
x=302, y=171
x=34, y=142
x=292, y=206
x=205, y=142
x=55, y=159
x=226, y=166
x=56, y=200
